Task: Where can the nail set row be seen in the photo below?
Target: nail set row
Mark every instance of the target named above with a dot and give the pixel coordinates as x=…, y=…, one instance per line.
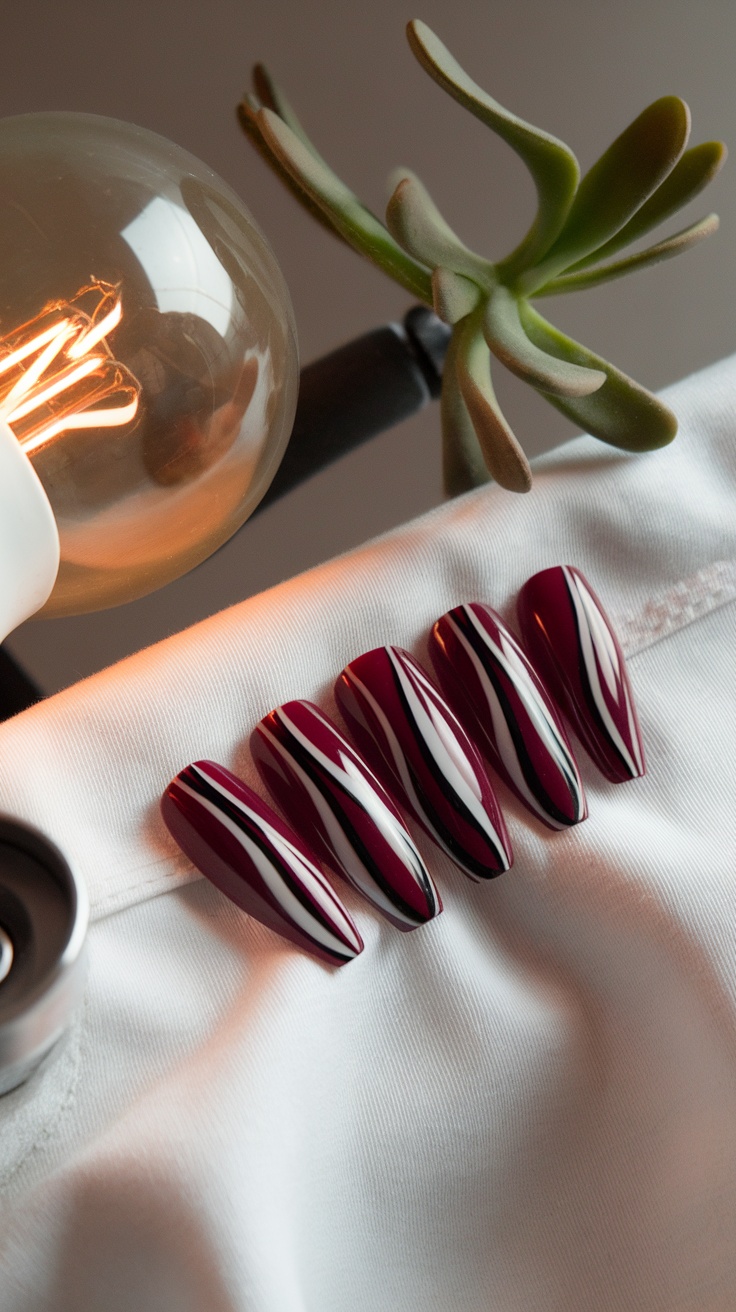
x=419, y=745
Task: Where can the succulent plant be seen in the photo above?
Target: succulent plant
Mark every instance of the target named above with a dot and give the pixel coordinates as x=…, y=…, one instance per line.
x=645, y=176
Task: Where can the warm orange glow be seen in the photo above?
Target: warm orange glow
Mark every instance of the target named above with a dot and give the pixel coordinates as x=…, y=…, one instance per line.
x=87, y=419
x=30, y=347
x=61, y=383
x=49, y=381
x=96, y=333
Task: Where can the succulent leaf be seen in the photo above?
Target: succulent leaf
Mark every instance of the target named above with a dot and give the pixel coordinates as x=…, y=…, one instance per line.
x=664, y=250
x=414, y=221
x=697, y=167
x=351, y=219
x=270, y=96
x=502, y=454
x=617, y=185
x=248, y=116
x=622, y=413
x=505, y=334
x=551, y=163
x=463, y=466
x=453, y=296
x=645, y=176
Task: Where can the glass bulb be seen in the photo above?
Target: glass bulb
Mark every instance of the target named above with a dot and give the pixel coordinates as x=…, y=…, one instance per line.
x=148, y=361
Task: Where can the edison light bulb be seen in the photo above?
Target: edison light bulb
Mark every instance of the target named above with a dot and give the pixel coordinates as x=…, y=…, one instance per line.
x=148, y=364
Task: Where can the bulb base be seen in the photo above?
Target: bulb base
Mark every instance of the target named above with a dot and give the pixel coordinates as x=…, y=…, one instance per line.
x=29, y=538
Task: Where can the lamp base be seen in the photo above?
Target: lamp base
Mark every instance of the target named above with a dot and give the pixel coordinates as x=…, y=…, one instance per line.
x=29, y=538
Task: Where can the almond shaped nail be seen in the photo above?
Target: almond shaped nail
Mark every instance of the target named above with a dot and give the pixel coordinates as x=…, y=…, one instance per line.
x=336, y=802
x=573, y=645
x=420, y=751
x=502, y=703
x=243, y=847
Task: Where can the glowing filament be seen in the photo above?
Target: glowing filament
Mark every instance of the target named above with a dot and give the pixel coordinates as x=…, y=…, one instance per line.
x=60, y=384
x=29, y=348
x=50, y=379
x=95, y=334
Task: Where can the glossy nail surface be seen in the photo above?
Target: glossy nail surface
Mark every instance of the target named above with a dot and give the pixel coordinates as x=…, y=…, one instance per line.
x=420, y=751
x=329, y=794
x=503, y=705
x=247, y=851
x=575, y=649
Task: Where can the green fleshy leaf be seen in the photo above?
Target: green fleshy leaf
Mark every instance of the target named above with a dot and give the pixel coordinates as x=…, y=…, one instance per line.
x=551, y=163
x=453, y=295
x=622, y=413
x=504, y=333
x=351, y=219
x=664, y=250
x=617, y=186
x=414, y=220
x=502, y=454
x=270, y=96
x=463, y=466
x=689, y=177
x=248, y=111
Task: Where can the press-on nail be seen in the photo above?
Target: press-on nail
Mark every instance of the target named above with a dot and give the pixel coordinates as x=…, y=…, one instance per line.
x=416, y=745
x=247, y=851
x=329, y=794
x=504, y=707
x=575, y=649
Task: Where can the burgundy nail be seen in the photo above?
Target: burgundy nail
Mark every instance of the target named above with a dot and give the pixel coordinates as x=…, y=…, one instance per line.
x=336, y=802
x=420, y=751
x=247, y=851
x=504, y=707
x=572, y=644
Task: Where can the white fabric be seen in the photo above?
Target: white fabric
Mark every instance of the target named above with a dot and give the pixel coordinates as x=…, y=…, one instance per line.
x=528, y=1105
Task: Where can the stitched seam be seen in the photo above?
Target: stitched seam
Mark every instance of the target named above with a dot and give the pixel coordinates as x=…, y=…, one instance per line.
x=178, y=866
x=186, y=875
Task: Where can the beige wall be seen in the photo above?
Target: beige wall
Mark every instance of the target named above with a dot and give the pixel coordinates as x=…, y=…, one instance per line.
x=582, y=70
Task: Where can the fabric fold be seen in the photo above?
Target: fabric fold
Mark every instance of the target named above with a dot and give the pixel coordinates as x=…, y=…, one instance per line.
x=529, y=1101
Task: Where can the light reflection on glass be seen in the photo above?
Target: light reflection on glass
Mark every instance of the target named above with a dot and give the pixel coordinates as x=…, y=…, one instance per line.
x=147, y=350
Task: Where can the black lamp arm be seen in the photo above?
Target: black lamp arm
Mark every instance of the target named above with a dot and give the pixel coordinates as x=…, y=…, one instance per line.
x=359, y=391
